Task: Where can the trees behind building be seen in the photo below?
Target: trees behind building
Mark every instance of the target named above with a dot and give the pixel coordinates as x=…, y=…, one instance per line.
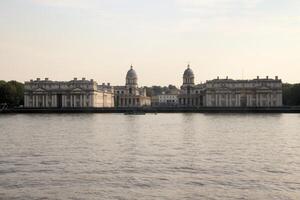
x=11, y=93
x=291, y=94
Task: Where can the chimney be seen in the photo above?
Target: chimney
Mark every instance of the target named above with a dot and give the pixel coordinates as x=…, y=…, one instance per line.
x=83, y=79
x=31, y=80
x=276, y=77
x=267, y=77
x=46, y=79
x=226, y=77
x=103, y=84
x=92, y=80
x=108, y=84
x=75, y=79
x=257, y=77
x=218, y=78
x=38, y=79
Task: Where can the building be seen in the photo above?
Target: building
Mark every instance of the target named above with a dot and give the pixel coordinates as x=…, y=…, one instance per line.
x=191, y=95
x=131, y=95
x=258, y=92
x=67, y=94
x=226, y=92
x=164, y=100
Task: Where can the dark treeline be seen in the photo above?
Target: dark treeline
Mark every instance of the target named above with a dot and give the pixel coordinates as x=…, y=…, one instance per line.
x=12, y=93
x=157, y=90
x=291, y=94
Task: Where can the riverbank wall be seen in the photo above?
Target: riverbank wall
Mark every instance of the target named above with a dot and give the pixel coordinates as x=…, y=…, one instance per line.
x=286, y=109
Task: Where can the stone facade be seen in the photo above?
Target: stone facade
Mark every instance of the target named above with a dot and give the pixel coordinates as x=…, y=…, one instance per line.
x=67, y=94
x=258, y=92
x=131, y=95
x=191, y=95
x=165, y=100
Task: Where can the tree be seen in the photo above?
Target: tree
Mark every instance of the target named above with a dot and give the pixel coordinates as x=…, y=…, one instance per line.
x=291, y=94
x=11, y=93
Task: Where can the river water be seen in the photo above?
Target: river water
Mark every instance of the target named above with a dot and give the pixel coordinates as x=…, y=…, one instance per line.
x=163, y=156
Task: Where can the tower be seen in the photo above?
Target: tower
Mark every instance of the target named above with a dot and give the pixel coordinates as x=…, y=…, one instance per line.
x=131, y=81
x=131, y=78
x=188, y=77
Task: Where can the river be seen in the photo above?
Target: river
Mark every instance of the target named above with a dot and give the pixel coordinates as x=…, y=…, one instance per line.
x=163, y=156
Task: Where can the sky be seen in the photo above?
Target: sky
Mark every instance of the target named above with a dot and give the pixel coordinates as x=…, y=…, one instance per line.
x=100, y=39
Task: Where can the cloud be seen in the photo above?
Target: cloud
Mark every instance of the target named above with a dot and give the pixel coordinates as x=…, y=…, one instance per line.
x=218, y=3
x=217, y=8
x=235, y=17
x=79, y=4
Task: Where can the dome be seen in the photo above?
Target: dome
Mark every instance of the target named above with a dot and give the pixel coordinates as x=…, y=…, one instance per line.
x=188, y=72
x=131, y=74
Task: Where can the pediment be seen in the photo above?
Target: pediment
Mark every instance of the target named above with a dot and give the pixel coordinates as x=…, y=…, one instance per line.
x=40, y=90
x=263, y=88
x=77, y=90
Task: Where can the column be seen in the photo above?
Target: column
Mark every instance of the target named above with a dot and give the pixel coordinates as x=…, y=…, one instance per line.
x=227, y=103
x=25, y=100
x=71, y=100
x=84, y=100
x=53, y=101
x=43, y=101
x=260, y=99
x=63, y=101
x=47, y=101
x=36, y=101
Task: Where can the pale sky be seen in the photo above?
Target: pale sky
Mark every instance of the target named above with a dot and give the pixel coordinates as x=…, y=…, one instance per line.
x=100, y=39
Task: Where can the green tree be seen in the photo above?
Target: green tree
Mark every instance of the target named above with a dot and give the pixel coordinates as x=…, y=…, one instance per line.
x=291, y=94
x=11, y=93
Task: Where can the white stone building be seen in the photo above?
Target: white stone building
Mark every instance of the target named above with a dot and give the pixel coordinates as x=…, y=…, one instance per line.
x=191, y=95
x=131, y=95
x=164, y=100
x=67, y=94
x=258, y=92
x=226, y=92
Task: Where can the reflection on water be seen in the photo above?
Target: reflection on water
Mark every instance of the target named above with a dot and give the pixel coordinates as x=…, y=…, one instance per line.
x=164, y=156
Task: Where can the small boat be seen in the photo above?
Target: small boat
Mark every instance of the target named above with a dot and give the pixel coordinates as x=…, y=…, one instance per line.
x=134, y=112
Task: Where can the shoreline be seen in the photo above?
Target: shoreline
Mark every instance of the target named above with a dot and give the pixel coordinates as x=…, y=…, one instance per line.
x=286, y=109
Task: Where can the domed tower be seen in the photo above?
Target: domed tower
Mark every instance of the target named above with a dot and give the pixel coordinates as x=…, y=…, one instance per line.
x=188, y=76
x=131, y=78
